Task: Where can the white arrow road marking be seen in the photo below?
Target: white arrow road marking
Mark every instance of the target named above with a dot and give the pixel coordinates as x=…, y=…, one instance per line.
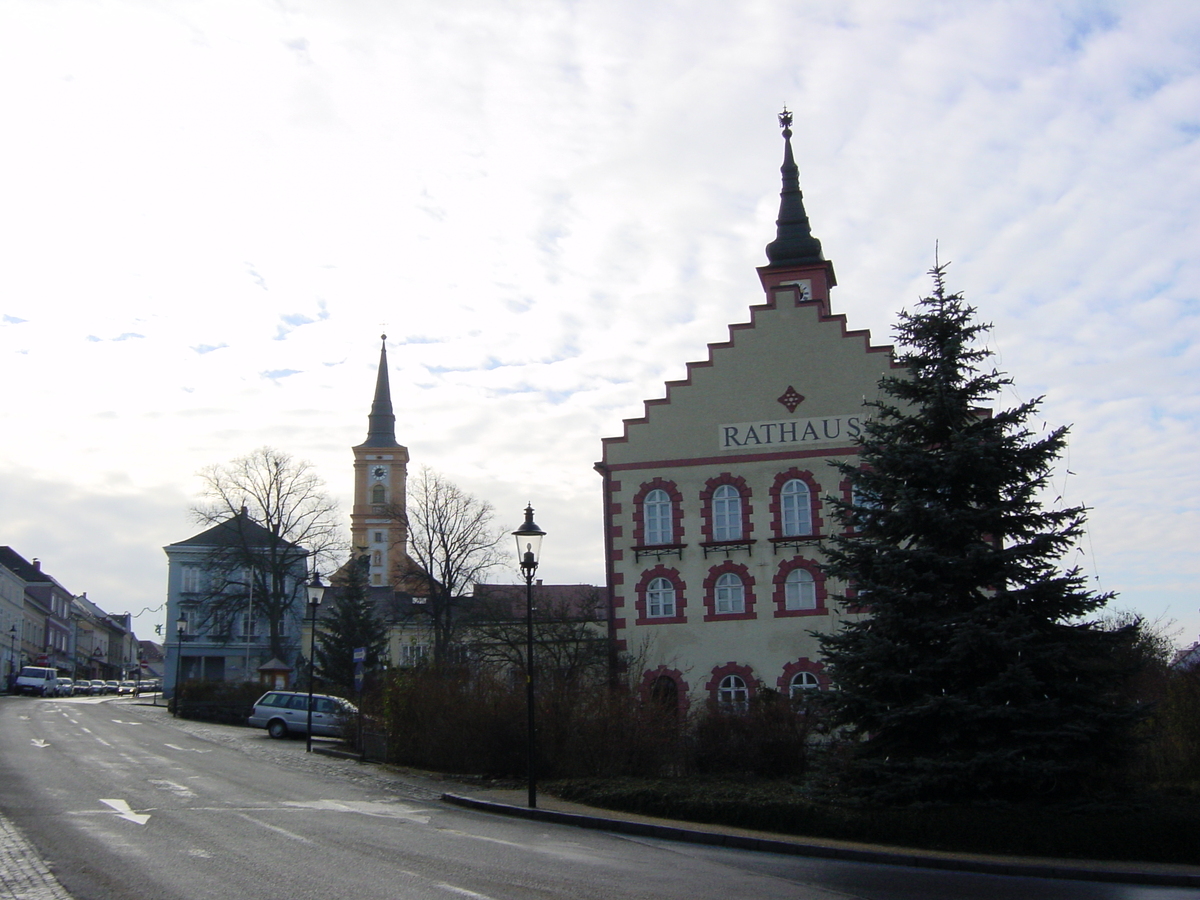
x=124, y=812
x=187, y=749
x=38, y=742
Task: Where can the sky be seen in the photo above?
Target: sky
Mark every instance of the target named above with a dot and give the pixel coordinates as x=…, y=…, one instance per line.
x=210, y=211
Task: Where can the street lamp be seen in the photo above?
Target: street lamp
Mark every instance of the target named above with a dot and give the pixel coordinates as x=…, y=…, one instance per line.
x=316, y=591
x=529, y=545
x=12, y=658
x=180, y=631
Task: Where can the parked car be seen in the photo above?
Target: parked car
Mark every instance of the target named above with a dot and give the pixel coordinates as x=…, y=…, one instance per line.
x=127, y=687
x=99, y=687
x=114, y=687
x=83, y=687
x=64, y=687
x=286, y=712
x=37, y=680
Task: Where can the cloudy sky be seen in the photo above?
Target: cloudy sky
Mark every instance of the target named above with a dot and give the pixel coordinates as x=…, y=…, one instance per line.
x=211, y=210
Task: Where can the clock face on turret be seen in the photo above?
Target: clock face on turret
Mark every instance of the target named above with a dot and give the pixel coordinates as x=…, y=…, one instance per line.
x=378, y=473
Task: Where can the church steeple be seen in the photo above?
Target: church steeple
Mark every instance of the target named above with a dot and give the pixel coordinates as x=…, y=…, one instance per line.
x=377, y=521
x=381, y=427
x=794, y=244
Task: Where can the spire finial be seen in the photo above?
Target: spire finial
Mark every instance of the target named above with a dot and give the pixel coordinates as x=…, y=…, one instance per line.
x=794, y=243
x=381, y=424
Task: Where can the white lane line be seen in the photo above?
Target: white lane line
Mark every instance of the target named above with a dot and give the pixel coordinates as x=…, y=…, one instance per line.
x=124, y=812
x=295, y=837
x=38, y=742
x=104, y=742
x=179, y=790
x=462, y=892
x=120, y=722
x=186, y=749
x=87, y=730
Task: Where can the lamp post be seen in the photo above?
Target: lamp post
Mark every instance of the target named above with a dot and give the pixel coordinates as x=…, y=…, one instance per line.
x=529, y=545
x=180, y=631
x=316, y=591
x=12, y=659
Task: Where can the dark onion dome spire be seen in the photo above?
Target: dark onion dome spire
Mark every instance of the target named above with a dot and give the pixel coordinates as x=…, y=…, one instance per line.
x=381, y=428
x=794, y=243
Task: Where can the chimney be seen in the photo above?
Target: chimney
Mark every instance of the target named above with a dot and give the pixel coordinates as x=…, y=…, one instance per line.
x=538, y=582
x=37, y=564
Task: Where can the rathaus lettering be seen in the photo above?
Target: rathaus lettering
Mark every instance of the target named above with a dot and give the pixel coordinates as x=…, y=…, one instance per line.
x=822, y=429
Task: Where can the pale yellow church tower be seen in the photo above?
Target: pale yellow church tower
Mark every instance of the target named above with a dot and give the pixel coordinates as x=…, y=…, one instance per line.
x=377, y=521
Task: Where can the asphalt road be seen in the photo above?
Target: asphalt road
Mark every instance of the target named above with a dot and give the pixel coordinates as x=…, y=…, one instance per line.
x=125, y=803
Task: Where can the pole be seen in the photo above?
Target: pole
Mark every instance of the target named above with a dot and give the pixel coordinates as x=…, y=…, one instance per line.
x=531, y=761
x=178, y=673
x=312, y=651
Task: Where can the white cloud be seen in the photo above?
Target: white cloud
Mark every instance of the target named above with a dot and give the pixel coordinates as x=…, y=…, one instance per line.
x=550, y=208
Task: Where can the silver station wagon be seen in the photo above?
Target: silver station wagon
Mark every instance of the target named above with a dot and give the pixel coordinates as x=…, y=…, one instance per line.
x=286, y=712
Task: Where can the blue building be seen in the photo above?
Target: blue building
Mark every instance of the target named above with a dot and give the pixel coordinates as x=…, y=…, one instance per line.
x=239, y=590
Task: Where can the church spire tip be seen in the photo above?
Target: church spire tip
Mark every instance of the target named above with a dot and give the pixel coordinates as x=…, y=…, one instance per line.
x=381, y=427
x=794, y=243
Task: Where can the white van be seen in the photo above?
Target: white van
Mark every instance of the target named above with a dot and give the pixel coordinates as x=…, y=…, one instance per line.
x=38, y=681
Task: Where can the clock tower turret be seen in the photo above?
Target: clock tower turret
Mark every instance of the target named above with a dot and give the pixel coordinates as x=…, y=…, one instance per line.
x=377, y=521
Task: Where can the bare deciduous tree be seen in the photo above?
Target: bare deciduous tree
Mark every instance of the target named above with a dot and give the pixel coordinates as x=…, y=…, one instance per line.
x=452, y=544
x=570, y=634
x=273, y=514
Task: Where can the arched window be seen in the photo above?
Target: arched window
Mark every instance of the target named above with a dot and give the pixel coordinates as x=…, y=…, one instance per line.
x=664, y=693
x=660, y=599
x=801, y=682
x=377, y=494
x=727, y=513
x=732, y=693
x=657, y=515
x=797, y=508
x=730, y=594
x=799, y=590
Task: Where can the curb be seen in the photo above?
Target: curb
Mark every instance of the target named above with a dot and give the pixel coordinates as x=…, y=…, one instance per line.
x=767, y=845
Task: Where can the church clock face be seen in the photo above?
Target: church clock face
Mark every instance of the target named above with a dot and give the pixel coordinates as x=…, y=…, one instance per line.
x=378, y=473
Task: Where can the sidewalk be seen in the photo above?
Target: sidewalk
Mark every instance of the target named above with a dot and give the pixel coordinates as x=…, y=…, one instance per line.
x=551, y=809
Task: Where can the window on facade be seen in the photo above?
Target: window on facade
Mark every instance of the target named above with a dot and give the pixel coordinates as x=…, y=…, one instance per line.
x=246, y=623
x=797, y=508
x=731, y=594
x=799, y=590
x=801, y=682
x=660, y=598
x=664, y=693
x=377, y=494
x=413, y=654
x=656, y=514
x=377, y=558
x=190, y=579
x=727, y=513
x=379, y=537
x=732, y=693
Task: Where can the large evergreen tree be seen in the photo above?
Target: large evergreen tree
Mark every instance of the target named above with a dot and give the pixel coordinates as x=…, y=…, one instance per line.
x=352, y=623
x=977, y=673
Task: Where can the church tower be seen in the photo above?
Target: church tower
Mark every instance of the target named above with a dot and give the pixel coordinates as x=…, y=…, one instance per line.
x=377, y=521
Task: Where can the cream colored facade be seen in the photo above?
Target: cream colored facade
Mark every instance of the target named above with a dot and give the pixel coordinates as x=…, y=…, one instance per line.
x=729, y=424
x=715, y=500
